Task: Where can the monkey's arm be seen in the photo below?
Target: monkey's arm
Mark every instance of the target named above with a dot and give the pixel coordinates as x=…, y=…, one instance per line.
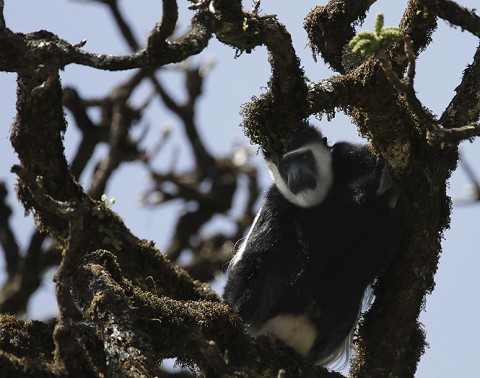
x=251, y=289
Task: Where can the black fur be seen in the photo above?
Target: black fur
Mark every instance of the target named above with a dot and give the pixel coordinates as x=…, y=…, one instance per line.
x=319, y=260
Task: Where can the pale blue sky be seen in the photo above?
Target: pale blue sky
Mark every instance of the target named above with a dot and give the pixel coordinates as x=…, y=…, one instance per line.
x=452, y=310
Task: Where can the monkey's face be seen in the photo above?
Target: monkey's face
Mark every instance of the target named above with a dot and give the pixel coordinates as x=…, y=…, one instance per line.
x=298, y=171
x=304, y=176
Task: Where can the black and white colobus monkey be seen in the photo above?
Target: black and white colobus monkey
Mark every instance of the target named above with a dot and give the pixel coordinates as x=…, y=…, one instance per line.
x=328, y=227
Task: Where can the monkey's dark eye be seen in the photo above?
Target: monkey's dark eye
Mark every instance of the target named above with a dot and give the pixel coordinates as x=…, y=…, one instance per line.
x=306, y=156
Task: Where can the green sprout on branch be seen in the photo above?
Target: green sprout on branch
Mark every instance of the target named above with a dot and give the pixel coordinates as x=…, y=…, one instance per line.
x=107, y=202
x=368, y=43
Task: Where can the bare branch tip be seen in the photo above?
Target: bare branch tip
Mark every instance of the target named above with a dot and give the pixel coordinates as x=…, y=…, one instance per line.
x=454, y=135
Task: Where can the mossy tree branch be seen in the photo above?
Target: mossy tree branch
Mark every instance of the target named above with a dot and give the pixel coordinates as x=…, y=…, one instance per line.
x=139, y=307
x=115, y=292
x=456, y=14
x=330, y=27
x=399, y=131
x=269, y=119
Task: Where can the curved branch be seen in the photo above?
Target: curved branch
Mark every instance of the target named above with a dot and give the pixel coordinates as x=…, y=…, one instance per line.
x=2, y=18
x=368, y=97
x=8, y=240
x=44, y=46
x=455, y=14
x=122, y=24
x=455, y=135
x=165, y=27
x=331, y=27
x=169, y=323
x=270, y=119
x=419, y=25
x=19, y=288
x=464, y=108
x=186, y=112
x=173, y=52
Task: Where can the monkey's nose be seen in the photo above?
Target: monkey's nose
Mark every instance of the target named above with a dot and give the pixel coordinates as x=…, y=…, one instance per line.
x=300, y=179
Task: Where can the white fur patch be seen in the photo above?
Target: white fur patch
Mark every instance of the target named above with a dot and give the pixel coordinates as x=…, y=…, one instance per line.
x=239, y=254
x=340, y=357
x=310, y=197
x=297, y=331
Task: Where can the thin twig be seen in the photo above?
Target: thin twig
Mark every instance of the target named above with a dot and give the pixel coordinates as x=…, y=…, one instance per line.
x=7, y=238
x=456, y=14
x=406, y=86
x=408, y=48
x=469, y=171
x=456, y=134
x=2, y=19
